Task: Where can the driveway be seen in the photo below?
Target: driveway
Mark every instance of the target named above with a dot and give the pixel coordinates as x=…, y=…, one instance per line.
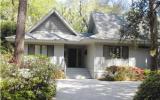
x=92, y=89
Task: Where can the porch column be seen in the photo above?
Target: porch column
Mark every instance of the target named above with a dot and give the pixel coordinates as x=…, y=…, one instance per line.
x=99, y=61
x=58, y=58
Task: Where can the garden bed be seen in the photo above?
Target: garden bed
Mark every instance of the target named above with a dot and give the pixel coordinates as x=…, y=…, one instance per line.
x=125, y=73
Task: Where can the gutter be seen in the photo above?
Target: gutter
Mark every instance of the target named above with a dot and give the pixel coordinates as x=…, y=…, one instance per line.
x=83, y=41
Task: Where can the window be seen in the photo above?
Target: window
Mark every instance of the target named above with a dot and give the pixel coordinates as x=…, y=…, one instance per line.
x=115, y=52
x=50, y=50
x=41, y=49
x=31, y=49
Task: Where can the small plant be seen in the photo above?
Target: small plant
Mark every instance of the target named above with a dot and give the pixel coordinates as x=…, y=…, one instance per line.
x=121, y=73
x=148, y=72
x=149, y=89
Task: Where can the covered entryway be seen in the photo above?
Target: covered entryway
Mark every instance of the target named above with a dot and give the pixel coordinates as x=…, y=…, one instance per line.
x=75, y=56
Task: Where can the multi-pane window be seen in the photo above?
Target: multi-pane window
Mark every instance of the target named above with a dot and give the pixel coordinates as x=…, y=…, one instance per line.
x=116, y=52
x=31, y=49
x=50, y=50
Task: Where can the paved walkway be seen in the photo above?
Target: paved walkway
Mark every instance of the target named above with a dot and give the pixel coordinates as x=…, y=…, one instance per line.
x=91, y=89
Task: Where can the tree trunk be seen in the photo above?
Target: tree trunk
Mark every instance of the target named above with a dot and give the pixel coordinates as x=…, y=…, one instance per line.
x=153, y=34
x=20, y=33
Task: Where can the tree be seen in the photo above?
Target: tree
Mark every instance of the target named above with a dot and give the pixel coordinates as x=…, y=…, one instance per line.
x=142, y=24
x=77, y=12
x=152, y=15
x=20, y=33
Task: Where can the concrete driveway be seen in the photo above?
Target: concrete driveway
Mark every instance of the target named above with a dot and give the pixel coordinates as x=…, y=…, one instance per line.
x=92, y=89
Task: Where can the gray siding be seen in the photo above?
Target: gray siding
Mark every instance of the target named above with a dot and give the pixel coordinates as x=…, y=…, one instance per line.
x=53, y=24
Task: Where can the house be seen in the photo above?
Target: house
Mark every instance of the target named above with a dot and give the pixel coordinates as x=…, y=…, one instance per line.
x=96, y=49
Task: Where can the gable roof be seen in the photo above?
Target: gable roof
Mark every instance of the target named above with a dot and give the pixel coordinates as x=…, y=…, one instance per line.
x=105, y=26
x=102, y=28
x=54, y=13
x=51, y=27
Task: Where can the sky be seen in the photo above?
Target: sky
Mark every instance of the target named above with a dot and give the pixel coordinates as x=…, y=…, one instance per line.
x=125, y=3
x=103, y=1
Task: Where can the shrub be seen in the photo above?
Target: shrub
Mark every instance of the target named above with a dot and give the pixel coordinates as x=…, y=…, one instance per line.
x=8, y=28
x=148, y=72
x=58, y=74
x=35, y=82
x=121, y=73
x=149, y=89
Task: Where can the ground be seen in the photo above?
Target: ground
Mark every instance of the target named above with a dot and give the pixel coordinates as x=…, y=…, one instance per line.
x=92, y=89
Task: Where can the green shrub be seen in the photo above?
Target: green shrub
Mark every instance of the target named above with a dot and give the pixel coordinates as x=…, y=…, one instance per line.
x=149, y=89
x=7, y=28
x=148, y=72
x=121, y=73
x=34, y=82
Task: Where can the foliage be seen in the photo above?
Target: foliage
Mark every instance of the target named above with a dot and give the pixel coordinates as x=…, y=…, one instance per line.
x=76, y=15
x=8, y=28
x=121, y=73
x=58, y=74
x=34, y=83
x=137, y=21
x=77, y=12
x=142, y=24
x=147, y=72
x=149, y=89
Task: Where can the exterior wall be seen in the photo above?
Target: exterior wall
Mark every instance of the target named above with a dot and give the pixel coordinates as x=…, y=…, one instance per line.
x=90, y=59
x=137, y=57
x=58, y=57
x=95, y=61
x=99, y=61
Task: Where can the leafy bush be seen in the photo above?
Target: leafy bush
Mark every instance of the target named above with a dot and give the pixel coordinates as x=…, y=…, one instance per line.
x=34, y=83
x=148, y=72
x=58, y=74
x=120, y=73
x=149, y=89
x=7, y=28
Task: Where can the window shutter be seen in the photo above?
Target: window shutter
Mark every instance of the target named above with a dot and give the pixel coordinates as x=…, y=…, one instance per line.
x=125, y=52
x=50, y=50
x=31, y=49
x=106, y=52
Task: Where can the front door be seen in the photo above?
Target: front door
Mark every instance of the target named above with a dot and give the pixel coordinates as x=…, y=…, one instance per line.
x=72, y=57
x=75, y=57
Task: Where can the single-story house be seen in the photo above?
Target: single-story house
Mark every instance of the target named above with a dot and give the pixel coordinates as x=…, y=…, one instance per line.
x=96, y=49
